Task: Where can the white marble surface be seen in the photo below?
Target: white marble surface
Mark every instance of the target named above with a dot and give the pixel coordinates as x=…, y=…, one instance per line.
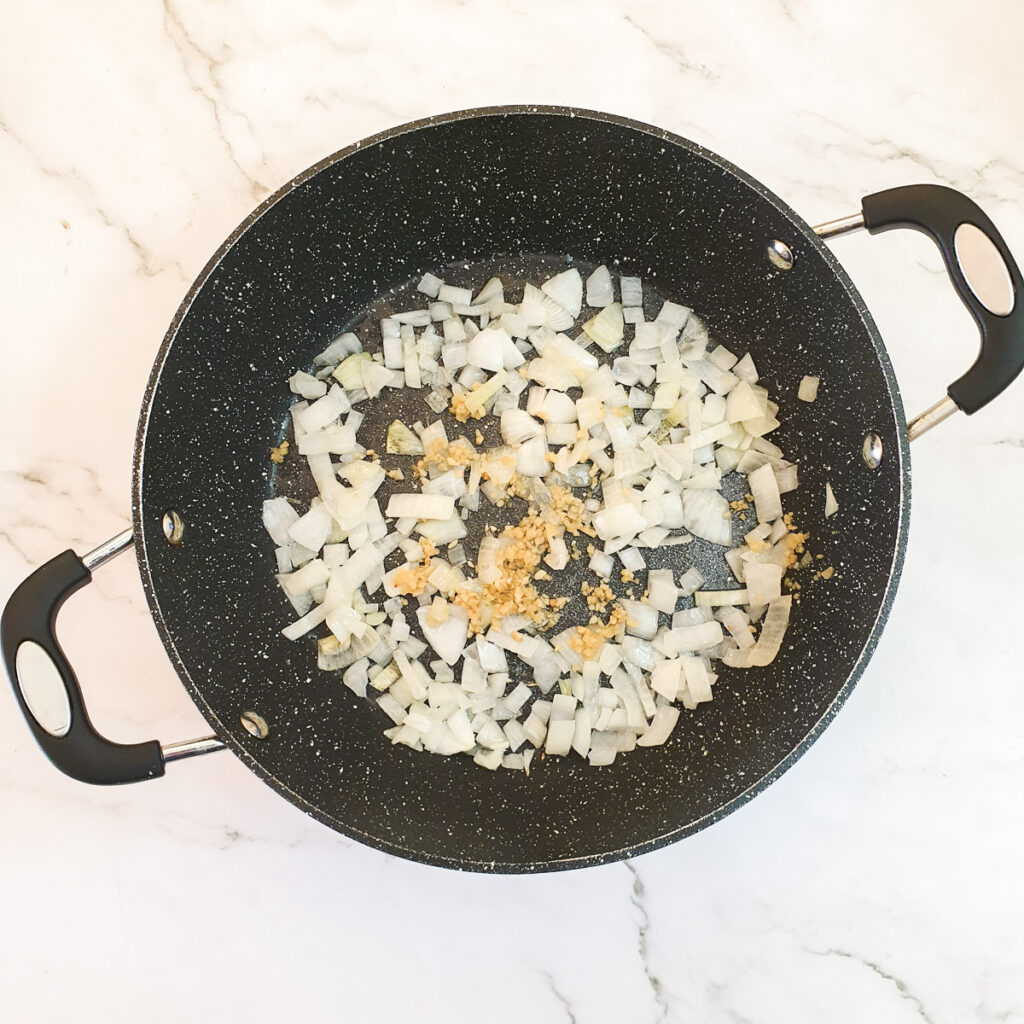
x=879, y=880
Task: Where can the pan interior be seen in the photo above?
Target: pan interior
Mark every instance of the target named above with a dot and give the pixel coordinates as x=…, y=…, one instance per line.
x=519, y=193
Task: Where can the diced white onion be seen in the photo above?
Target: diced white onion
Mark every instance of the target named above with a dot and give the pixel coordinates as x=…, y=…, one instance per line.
x=808, y=390
x=600, y=292
x=652, y=440
x=831, y=505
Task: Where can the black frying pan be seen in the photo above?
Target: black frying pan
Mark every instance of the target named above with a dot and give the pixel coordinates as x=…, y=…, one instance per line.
x=520, y=189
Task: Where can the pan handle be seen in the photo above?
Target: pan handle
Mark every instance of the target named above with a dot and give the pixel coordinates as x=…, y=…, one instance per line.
x=983, y=272
x=47, y=689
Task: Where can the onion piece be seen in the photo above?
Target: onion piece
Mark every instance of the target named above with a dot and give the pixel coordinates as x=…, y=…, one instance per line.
x=720, y=598
x=808, y=390
x=743, y=404
x=662, y=592
x=773, y=630
x=518, y=427
x=662, y=724
x=606, y=329
x=278, y=517
x=600, y=291
x=344, y=345
x=487, y=349
x=765, y=489
x=787, y=479
x=698, y=684
x=402, y=441
x=666, y=677
x=619, y=522
x=831, y=505
x=631, y=291
x=541, y=310
x=325, y=410
x=312, y=529
x=422, y=506
x=306, y=385
x=476, y=400
x=601, y=563
x=567, y=290
x=349, y=372
x=632, y=560
x=690, y=581
x=735, y=622
x=449, y=637
x=764, y=582
x=641, y=619
x=706, y=514
x=687, y=639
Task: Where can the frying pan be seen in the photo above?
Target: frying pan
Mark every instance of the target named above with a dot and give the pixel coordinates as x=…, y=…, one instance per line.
x=522, y=191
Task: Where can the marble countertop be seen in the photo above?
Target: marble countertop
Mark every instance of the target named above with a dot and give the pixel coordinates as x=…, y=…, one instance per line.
x=878, y=880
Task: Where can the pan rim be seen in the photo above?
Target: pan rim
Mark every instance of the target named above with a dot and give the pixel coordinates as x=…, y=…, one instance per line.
x=585, y=860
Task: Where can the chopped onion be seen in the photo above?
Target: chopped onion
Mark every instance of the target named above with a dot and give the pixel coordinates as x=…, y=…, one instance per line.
x=787, y=479
x=344, y=345
x=606, y=329
x=662, y=592
x=662, y=724
x=487, y=349
x=651, y=440
x=641, y=619
x=808, y=390
x=773, y=630
x=619, y=522
x=306, y=385
x=631, y=291
x=686, y=639
x=421, y=506
x=600, y=292
x=831, y=505
x=765, y=489
x=632, y=560
x=278, y=518
x=402, y=441
x=602, y=564
x=764, y=582
x=690, y=581
x=312, y=529
x=738, y=627
x=706, y=515
x=476, y=401
x=518, y=426
x=567, y=290
x=541, y=310
x=448, y=638
x=743, y=404
x=429, y=285
x=698, y=683
x=719, y=598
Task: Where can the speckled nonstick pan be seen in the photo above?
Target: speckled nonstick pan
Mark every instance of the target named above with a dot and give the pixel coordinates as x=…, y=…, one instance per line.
x=520, y=190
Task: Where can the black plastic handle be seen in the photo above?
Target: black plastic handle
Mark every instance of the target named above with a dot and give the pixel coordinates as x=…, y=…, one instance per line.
x=939, y=211
x=81, y=751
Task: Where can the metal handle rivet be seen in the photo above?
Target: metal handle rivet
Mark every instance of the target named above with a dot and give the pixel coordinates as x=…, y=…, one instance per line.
x=255, y=725
x=174, y=527
x=780, y=254
x=872, y=451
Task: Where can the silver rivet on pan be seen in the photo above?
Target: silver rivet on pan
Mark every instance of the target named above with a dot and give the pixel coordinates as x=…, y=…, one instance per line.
x=872, y=451
x=174, y=527
x=780, y=254
x=255, y=725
